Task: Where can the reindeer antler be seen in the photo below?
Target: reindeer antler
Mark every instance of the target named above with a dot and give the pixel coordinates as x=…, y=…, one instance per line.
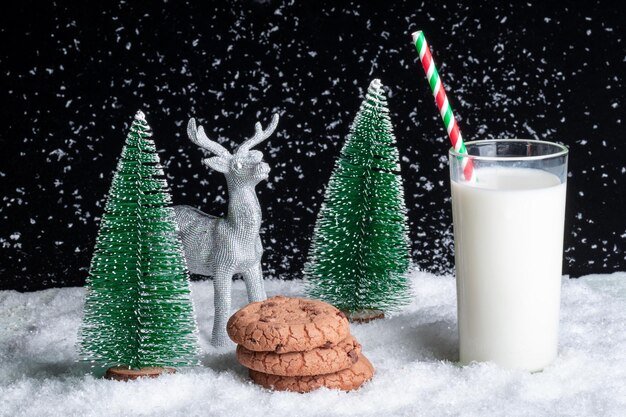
x=200, y=138
x=259, y=135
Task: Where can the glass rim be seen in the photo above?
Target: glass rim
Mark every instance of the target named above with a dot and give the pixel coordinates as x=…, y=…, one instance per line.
x=561, y=150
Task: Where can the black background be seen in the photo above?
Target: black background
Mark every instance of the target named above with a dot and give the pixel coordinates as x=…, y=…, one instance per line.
x=74, y=73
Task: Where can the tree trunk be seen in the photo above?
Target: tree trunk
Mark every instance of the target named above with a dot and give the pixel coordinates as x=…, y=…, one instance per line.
x=121, y=373
x=364, y=316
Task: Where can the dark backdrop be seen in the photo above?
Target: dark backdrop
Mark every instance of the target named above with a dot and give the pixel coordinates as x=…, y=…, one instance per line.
x=74, y=73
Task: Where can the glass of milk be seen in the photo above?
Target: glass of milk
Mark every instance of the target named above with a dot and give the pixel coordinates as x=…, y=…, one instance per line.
x=508, y=236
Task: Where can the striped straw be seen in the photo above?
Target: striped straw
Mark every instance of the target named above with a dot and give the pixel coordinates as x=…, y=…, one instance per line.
x=445, y=110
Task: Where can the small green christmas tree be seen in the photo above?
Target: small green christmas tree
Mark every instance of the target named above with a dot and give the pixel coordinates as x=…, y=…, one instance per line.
x=138, y=309
x=360, y=251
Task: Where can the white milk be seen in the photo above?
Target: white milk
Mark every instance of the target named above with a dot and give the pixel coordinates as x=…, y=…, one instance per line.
x=508, y=234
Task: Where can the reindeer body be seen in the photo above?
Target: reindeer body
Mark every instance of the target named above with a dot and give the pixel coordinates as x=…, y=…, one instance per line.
x=204, y=236
x=196, y=230
x=222, y=247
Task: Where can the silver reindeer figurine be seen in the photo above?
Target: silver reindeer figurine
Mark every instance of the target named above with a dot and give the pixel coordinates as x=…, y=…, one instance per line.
x=222, y=247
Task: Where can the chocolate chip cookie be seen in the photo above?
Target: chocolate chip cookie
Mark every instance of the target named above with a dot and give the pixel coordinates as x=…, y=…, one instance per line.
x=346, y=380
x=326, y=359
x=282, y=324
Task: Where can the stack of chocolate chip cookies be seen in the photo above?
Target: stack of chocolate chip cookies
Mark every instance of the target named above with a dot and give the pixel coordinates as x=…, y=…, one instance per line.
x=293, y=344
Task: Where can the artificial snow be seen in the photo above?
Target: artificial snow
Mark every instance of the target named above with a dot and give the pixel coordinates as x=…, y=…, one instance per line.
x=414, y=352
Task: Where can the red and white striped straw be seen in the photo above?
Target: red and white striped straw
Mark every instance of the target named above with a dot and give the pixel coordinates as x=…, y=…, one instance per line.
x=445, y=110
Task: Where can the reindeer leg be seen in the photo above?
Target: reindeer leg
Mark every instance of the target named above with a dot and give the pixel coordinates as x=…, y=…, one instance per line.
x=254, y=283
x=222, y=283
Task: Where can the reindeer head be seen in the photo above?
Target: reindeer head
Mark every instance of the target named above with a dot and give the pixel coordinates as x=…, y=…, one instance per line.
x=245, y=166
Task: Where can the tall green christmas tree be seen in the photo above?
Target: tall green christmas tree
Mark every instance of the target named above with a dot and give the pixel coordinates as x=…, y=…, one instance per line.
x=360, y=251
x=138, y=309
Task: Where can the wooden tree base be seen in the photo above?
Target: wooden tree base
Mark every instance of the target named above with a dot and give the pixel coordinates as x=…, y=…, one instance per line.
x=365, y=316
x=120, y=373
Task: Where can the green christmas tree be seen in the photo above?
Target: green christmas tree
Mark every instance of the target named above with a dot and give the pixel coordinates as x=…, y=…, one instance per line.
x=360, y=251
x=138, y=309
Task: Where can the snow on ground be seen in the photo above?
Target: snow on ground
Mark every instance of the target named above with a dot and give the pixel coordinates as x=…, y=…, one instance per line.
x=414, y=353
